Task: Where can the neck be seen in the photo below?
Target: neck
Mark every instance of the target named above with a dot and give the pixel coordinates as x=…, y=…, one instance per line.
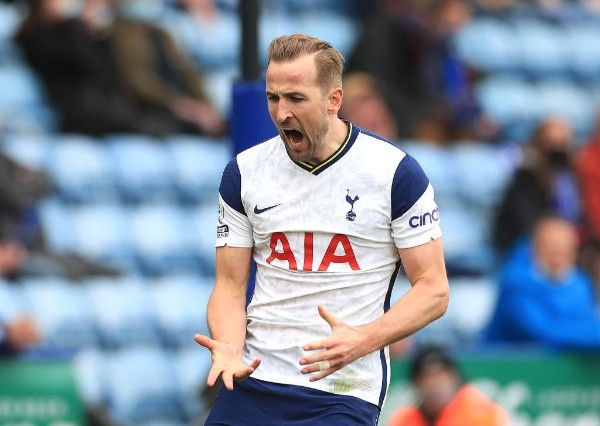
x=338, y=132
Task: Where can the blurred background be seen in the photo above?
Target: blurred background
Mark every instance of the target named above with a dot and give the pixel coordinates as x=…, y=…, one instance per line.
x=117, y=118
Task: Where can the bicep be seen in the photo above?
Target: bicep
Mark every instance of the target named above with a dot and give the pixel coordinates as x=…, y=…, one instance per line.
x=425, y=263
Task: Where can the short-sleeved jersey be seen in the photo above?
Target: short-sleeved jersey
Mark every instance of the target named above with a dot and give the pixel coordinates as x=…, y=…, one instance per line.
x=329, y=235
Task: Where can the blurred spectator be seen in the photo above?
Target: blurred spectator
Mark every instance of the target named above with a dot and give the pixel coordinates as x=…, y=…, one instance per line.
x=545, y=183
x=23, y=250
x=589, y=258
x=157, y=73
x=365, y=106
x=544, y=297
x=408, y=46
x=588, y=168
x=77, y=71
x=444, y=399
x=17, y=334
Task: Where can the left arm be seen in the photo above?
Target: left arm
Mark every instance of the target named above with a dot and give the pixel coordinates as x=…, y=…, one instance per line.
x=426, y=301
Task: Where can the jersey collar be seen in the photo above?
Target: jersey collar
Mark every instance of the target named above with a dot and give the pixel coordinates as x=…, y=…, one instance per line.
x=353, y=132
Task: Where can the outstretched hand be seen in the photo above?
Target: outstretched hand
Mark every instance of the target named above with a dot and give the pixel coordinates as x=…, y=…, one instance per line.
x=226, y=362
x=345, y=345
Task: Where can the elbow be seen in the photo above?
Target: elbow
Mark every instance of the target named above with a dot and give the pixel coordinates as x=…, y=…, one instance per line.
x=442, y=299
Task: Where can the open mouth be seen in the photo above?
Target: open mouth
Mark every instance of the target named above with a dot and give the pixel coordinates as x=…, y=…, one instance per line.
x=294, y=136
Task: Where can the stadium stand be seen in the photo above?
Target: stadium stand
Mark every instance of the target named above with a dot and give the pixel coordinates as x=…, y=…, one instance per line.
x=148, y=206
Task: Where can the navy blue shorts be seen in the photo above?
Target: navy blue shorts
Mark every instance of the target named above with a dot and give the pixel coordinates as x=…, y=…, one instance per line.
x=255, y=402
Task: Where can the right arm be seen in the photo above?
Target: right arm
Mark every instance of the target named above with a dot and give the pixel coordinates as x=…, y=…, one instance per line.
x=226, y=317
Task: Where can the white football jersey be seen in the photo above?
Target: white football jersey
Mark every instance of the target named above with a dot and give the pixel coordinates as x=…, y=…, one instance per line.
x=329, y=235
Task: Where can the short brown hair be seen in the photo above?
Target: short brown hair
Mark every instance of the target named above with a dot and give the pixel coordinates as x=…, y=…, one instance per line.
x=329, y=62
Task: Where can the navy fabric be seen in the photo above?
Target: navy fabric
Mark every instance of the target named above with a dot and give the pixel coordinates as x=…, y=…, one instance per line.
x=409, y=184
x=255, y=402
x=231, y=186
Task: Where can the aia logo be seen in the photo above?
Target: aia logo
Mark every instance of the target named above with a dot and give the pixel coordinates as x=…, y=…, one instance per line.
x=351, y=216
x=424, y=219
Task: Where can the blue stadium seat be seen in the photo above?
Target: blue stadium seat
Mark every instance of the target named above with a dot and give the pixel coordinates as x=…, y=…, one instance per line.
x=123, y=311
x=103, y=232
x=434, y=161
x=19, y=88
x=544, y=48
x=483, y=173
x=181, y=307
x=11, y=301
x=9, y=21
x=89, y=368
x=211, y=45
x=512, y=103
x=201, y=223
x=488, y=45
x=142, y=386
x=144, y=168
x=30, y=150
x=192, y=364
x=218, y=84
x=466, y=232
x=199, y=164
x=57, y=225
x=160, y=241
x=567, y=100
x=61, y=308
x=584, y=50
x=81, y=167
x=471, y=305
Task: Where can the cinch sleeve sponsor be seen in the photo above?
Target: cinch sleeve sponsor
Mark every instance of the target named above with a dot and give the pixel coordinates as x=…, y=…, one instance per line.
x=415, y=215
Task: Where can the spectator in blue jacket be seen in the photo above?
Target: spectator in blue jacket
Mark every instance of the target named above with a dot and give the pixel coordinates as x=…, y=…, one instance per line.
x=545, y=298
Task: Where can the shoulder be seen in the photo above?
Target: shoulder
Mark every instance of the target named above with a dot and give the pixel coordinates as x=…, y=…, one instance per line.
x=258, y=154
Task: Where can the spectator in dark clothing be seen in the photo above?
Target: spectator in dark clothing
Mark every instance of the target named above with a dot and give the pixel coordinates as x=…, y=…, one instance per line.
x=407, y=46
x=159, y=76
x=545, y=183
x=22, y=242
x=77, y=70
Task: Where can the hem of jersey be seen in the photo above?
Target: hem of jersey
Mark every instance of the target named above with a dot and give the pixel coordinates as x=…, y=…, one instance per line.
x=238, y=243
x=287, y=380
x=419, y=240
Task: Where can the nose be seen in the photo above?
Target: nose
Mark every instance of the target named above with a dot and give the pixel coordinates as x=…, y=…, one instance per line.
x=282, y=111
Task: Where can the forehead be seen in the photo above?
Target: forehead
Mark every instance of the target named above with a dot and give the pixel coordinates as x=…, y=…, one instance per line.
x=295, y=74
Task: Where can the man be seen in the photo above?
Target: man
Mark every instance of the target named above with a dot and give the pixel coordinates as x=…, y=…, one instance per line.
x=327, y=212
x=544, y=298
x=444, y=398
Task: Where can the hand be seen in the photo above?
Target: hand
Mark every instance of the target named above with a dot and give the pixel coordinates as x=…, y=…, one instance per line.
x=345, y=345
x=226, y=362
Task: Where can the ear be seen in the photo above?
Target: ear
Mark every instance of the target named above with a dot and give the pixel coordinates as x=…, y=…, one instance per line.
x=334, y=102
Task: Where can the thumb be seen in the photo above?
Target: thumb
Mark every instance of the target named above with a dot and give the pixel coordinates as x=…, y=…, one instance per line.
x=331, y=319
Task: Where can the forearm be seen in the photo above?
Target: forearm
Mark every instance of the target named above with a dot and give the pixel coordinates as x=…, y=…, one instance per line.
x=422, y=304
x=226, y=316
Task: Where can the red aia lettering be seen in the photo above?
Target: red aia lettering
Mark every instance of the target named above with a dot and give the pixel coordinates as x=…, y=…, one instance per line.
x=286, y=254
x=330, y=256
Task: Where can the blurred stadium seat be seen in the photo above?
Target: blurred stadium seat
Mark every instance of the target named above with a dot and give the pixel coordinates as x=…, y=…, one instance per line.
x=89, y=367
x=123, y=311
x=201, y=225
x=61, y=308
x=142, y=386
x=30, y=150
x=192, y=364
x=82, y=169
x=198, y=164
x=180, y=302
x=143, y=168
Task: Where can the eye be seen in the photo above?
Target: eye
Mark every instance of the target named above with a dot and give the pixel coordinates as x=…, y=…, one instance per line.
x=272, y=98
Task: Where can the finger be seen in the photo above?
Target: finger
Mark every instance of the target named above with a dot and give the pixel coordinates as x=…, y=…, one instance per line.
x=227, y=380
x=254, y=364
x=205, y=341
x=317, y=366
x=213, y=375
x=331, y=319
x=322, y=374
x=313, y=346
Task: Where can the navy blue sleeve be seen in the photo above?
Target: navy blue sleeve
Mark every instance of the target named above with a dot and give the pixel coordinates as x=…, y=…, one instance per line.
x=409, y=184
x=231, y=186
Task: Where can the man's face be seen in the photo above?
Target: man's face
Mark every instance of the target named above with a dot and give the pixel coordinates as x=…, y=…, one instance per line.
x=298, y=107
x=436, y=387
